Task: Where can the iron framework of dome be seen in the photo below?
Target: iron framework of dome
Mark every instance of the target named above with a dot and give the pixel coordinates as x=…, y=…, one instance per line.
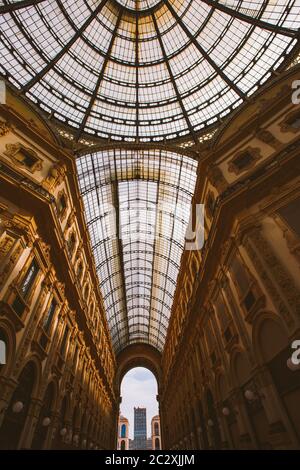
x=146, y=69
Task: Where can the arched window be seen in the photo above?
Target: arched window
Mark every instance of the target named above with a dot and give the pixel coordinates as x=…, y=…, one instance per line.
x=62, y=203
x=123, y=444
x=86, y=292
x=213, y=417
x=71, y=243
x=16, y=414
x=156, y=429
x=44, y=420
x=157, y=446
x=123, y=430
x=79, y=270
x=3, y=350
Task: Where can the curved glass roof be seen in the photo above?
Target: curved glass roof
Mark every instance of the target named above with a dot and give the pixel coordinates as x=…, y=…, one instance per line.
x=145, y=69
x=137, y=207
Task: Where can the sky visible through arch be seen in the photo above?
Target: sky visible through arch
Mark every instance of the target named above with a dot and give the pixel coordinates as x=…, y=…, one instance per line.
x=139, y=388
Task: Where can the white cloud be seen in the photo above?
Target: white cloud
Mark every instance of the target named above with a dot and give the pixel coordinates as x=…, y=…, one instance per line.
x=139, y=388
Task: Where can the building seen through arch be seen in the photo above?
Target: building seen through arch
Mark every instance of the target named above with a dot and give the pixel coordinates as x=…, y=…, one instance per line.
x=149, y=217
x=155, y=433
x=123, y=433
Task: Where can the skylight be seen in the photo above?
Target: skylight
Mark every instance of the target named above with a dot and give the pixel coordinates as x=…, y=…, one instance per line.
x=143, y=70
x=137, y=207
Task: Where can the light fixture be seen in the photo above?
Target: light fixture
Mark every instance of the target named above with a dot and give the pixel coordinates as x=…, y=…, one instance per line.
x=210, y=423
x=76, y=439
x=63, y=432
x=17, y=407
x=293, y=367
x=46, y=422
x=226, y=411
x=250, y=395
x=84, y=443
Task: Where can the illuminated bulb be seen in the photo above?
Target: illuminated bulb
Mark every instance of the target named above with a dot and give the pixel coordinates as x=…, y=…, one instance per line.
x=210, y=422
x=63, y=431
x=17, y=407
x=46, y=421
x=250, y=395
x=226, y=411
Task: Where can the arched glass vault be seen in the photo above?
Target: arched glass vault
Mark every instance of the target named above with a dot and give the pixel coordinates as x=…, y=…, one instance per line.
x=137, y=207
x=143, y=70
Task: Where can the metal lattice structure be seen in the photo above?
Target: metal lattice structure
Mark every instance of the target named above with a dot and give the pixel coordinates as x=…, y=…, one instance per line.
x=143, y=70
x=137, y=248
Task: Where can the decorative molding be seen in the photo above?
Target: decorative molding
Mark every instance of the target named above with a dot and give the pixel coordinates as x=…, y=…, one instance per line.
x=292, y=241
x=287, y=124
x=268, y=138
x=217, y=179
x=19, y=154
x=55, y=176
x=287, y=297
x=254, y=155
x=4, y=129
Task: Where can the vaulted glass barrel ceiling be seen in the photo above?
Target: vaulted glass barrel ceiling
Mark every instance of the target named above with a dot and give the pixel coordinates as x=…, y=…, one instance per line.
x=140, y=71
x=144, y=69
x=137, y=206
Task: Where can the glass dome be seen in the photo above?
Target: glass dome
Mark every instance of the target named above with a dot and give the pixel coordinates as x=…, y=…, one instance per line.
x=139, y=5
x=143, y=70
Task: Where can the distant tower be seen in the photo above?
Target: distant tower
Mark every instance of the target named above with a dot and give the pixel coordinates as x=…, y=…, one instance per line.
x=123, y=433
x=155, y=433
x=140, y=428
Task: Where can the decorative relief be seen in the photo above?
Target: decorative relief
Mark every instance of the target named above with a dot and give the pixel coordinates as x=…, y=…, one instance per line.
x=210, y=203
x=45, y=249
x=268, y=138
x=292, y=241
x=62, y=204
x=6, y=243
x=244, y=160
x=4, y=129
x=217, y=179
x=55, y=176
x=71, y=218
x=254, y=244
x=24, y=157
x=9, y=266
x=291, y=122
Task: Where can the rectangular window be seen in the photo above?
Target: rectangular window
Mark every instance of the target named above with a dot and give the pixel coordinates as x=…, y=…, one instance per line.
x=249, y=300
x=29, y=277
x=228, y=334
x=75, y=358
x=290, y=213
x=18, y=305
x=49, y=315
x=28, y=159
x=64, y=341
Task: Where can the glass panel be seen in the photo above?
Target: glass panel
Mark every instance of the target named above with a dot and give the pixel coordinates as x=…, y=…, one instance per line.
x=138, y=246
x=144, y=69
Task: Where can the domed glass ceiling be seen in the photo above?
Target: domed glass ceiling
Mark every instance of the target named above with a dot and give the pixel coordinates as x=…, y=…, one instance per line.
x=143, y=70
